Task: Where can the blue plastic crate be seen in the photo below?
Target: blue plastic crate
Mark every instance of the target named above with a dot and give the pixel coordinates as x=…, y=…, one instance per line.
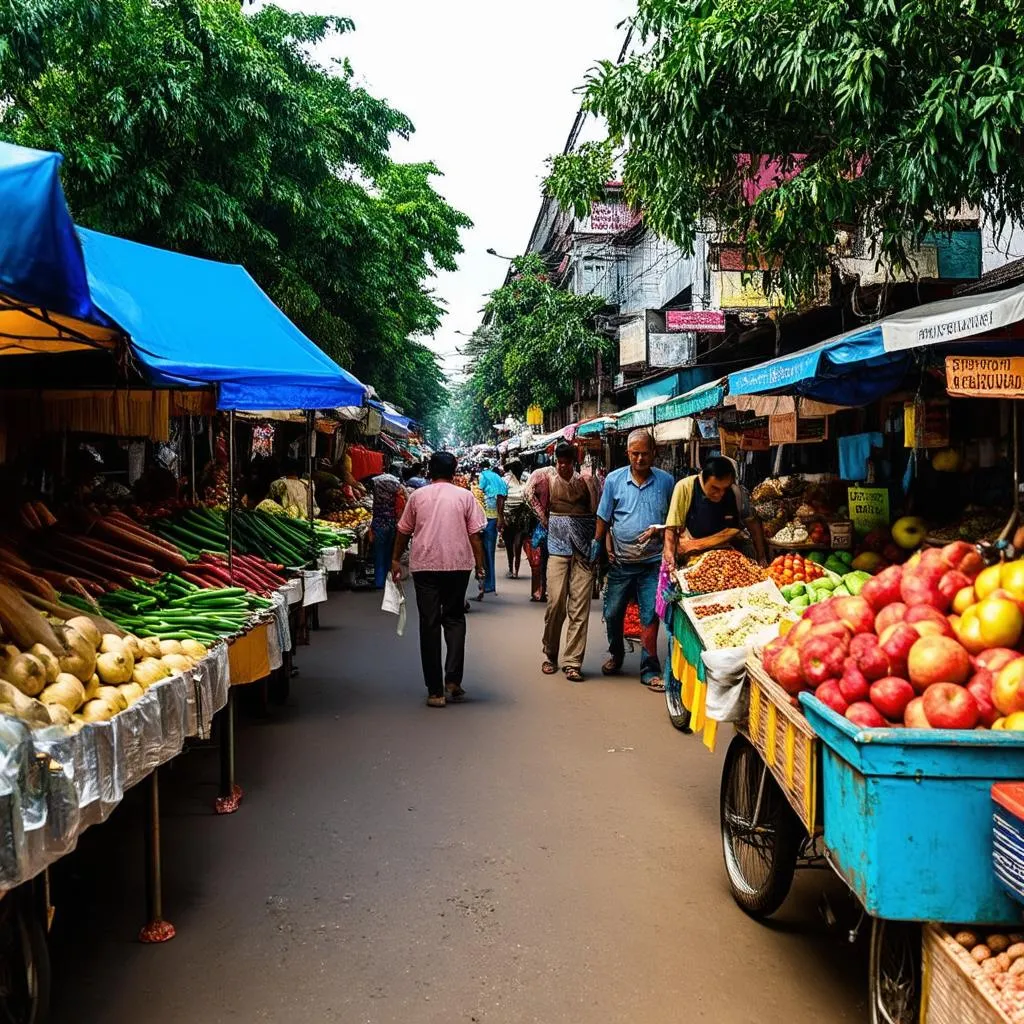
x=908, y=816
x=1008, y=838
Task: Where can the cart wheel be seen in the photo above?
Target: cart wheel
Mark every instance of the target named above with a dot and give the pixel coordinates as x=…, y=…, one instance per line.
x=678, y=715
x=24, y=964
x=894, y=981
x=760, y=833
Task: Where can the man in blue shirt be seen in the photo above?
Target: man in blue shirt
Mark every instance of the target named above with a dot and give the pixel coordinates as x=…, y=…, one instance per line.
x=495, y=491
x=630, y=519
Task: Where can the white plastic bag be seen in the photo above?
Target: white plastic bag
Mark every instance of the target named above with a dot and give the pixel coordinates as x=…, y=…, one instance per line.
x=725, y=675
x=394, y=602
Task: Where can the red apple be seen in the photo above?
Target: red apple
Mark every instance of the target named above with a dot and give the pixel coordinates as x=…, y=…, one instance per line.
x=896, y=643
x=856, y=614
x=914, y=716
x=821, y=658
x=951, y=583
x=937, y=659
x=928, y=621
x=889, y=616
x=883, y=589
x=799, y=633
x=996, y=658
x=980, y=686
x=824, y=611
x=829, y=695
x=957, y=551
x=869, y=656
x=770, y=653
x=853, y=685
x=788, y=672
x=1008, y=689
x=948, y=706
x=834, y=629
x=971, y=565
x=918, y=587
x=866, y=715
x=891, y=696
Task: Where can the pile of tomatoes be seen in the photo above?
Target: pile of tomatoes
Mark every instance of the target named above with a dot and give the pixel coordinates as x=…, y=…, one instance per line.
x=794, y=568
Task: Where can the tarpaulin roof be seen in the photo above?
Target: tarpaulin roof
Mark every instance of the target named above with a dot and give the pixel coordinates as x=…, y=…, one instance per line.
x=198, y=322
x=639, y=415
x=392, y=420
x=45, y=305
x=595, y=426
x=707, y=396
x=861, y=365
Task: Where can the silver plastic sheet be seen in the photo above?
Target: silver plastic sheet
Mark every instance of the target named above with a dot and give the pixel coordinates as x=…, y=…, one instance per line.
x=54, y=784
x=275, y=658
x=280, y=612
x=330, y=559
x=293, y=590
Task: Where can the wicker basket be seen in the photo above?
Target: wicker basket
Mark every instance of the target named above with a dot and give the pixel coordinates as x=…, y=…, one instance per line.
x=783, y=737
x=950, y=993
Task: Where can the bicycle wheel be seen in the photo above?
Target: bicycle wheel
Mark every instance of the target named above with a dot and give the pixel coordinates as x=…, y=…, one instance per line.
x=24, y=964
x=677, y=714
x=760, y=832
x=894, y=979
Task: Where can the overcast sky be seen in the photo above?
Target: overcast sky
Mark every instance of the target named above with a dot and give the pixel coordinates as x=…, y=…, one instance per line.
x=489, y=86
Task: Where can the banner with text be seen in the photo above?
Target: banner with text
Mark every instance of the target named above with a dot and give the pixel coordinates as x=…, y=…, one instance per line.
x=985, y=376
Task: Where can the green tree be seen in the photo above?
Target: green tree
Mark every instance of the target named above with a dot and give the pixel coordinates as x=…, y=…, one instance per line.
x=880, y=113
x=195, y=126
x=540, y=340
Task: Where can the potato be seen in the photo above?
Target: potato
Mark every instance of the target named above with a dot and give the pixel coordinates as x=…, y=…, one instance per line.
x=967, y=939
x=981, y=953
x=998, y=943
x=1016, y=950
x=991, y=966
x=1004, y=961
x=1016, y=968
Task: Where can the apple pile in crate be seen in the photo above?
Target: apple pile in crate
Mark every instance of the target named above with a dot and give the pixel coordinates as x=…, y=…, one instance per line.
x=932, y=644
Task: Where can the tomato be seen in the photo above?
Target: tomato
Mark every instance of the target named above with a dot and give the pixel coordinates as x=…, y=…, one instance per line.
x=798, y=577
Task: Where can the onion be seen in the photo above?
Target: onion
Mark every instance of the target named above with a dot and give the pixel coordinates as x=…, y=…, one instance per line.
x=49, y=660
x=66, y=691
x=87, y=628
x=170, y=647
x=114, y=697
x=150, y=647
x=134, y=645
x=131, y=692
x=149, y=671
x=80, y=660
x=114, y=667
x=27, y=673
x=194, y=649
x=97, y=711
x=59, y=714
x=177, y=662
x=111, y=642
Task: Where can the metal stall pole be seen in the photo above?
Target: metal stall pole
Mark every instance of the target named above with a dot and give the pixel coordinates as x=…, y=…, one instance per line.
x=314, y=611
x=156, y=928
x=230, y=792
x=231, y=495
x=192, y=445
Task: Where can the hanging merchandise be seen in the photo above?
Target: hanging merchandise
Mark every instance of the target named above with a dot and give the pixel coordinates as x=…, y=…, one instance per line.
x=926, y=424
x=263, y=440
x=855, y=455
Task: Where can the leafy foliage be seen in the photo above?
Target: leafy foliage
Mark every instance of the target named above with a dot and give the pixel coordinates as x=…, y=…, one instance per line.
x=538, y=342
x=195, y=126
x=876, y=113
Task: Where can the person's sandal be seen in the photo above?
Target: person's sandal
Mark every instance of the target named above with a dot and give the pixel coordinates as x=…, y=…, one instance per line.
x=435, y=702
x=574, y=675
x=611, y=667
x=549, y=668
x=456, y=694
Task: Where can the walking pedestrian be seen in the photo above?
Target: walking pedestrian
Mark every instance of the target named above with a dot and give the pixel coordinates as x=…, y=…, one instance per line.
x=412, y=477
x=445, y=524
x=569, y=519
x=519, y=520
x=536, y=493
x=388, y=503
x=630, y=521
x=494, y=490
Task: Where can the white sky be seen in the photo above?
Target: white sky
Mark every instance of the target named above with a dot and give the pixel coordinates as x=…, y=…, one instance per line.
x=489, y=87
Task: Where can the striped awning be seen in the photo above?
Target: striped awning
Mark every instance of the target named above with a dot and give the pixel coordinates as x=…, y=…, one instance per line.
x=639, y=415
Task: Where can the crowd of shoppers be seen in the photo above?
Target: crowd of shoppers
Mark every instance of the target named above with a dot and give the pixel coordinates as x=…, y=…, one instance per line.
x=629, y=530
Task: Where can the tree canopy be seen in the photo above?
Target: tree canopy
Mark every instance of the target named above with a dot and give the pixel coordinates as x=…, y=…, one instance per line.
x=195, y=126
x=883, y=114
x=537, y=342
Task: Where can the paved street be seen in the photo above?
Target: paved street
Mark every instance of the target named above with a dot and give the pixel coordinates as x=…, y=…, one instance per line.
x=547, y=852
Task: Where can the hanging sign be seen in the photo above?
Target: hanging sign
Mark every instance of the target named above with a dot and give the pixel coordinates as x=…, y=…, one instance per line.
x=707, y=321
x=869, y=508
x=985, y=376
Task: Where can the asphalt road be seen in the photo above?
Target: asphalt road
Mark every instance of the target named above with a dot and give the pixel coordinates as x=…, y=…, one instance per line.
x=547, y=852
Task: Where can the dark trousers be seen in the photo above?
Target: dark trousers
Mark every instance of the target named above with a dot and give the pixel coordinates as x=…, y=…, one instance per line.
x=441, y=600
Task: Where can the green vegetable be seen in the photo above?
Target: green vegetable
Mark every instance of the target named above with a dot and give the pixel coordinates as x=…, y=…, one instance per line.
x=801, y=602
x=853, y=583
x=841, y=591
x=825, y=583
x=846, y=557
x=817, y=557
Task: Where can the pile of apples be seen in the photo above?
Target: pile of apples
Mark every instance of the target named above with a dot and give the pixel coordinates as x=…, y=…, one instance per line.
x=932, y=644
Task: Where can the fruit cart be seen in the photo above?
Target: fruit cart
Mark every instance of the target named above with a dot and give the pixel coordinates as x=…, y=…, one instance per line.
x=889, y=811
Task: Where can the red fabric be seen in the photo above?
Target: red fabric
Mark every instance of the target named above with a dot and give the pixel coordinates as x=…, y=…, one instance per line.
x=365, y=462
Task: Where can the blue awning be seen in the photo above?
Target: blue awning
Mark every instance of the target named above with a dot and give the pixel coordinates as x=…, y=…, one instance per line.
x=392, y=420
x=594, y=427
x=196, y=322
x=40, y=259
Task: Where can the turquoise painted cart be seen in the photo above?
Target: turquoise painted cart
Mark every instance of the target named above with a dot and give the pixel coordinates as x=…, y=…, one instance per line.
x=903, y=816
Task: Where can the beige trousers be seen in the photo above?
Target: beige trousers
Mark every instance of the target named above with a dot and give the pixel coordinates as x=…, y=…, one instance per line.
x=570, y=581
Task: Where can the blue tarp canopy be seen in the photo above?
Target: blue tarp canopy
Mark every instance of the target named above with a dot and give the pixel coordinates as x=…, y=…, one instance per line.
x=45, y=305
x=195, y=323
x=865, y=364
x=392, y=420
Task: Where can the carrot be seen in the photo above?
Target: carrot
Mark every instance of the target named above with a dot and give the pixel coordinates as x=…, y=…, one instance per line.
x=157, y=550
x=45, y=516
x=27, y=581
x=23, y=624
x=8, y=557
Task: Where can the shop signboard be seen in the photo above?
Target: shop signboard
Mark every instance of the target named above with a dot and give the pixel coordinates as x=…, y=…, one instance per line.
x=869, y=508
x=707, y=321
x=608, y=219
x=633, y=342
x=985, y=376
x=676, y=349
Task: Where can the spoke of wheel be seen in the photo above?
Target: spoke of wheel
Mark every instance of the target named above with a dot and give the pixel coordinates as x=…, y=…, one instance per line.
x=753, y=843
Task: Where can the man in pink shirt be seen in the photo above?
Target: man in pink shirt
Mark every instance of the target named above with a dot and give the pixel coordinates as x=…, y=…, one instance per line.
x=446, y=525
